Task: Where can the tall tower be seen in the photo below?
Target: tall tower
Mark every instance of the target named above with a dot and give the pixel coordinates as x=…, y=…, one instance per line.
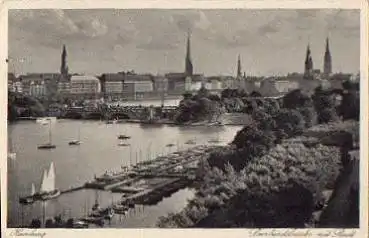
x=64, y=67
x=188, y=66
x=239, y=73
x=308, y=64
x=327, y=59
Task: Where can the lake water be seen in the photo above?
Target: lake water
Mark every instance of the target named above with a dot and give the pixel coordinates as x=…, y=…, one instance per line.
x=98, y=153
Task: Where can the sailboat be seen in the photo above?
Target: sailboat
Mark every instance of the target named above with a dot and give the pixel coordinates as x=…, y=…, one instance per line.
x=96, y=206
x=29, y=199
x=76, y=142
x=48, y=190
x=123, y=137
x=48, y=145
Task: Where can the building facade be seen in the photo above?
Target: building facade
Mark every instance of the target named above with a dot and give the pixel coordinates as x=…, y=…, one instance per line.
x=112, y=85
x=37, y=89
x=138, y=86
x=87, y=87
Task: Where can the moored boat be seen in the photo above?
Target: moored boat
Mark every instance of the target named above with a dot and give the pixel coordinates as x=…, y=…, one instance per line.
x=48, y=145
x=120, y=209
x=80, y=224
x=77, y=141
x=123, y=137
x=48, y=190
x=74, y=142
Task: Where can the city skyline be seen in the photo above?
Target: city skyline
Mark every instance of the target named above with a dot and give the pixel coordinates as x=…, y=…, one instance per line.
x=154, y=41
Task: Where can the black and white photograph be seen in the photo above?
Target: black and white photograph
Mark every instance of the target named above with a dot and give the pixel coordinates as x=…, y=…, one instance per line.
x=183, y=118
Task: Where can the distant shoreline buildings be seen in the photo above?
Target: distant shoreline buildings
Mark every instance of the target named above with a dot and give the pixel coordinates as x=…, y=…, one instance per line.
x=132, y=86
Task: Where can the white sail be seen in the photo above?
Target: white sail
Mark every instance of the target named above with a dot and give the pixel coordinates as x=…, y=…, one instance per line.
x=44, y=183
x=51, y=177
x=33, y=189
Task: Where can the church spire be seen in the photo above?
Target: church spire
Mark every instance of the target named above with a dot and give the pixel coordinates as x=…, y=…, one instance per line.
x=239, y=73
x=64, y=67
x=188, y=66
x=327, y=59
x=308, y=63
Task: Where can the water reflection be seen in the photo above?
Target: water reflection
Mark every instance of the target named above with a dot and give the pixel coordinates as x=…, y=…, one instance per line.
x=98, y=152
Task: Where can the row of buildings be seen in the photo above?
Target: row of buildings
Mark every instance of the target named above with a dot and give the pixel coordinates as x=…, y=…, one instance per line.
x=129, y=85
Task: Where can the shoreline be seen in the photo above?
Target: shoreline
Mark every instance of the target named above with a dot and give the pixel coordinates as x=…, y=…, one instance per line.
x=136, y=121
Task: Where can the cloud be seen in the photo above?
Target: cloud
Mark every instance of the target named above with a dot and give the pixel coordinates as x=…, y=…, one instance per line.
x=131, y=32
x=166, y=41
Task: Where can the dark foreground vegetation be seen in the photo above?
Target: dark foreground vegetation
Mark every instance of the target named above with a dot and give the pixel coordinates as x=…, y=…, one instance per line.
x=277, y=170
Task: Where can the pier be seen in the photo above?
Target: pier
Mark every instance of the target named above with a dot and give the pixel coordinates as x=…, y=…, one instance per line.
x=149, y=182
x=72, y=189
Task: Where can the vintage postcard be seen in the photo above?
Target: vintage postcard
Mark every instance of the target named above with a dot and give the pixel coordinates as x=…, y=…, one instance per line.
x=199, y=114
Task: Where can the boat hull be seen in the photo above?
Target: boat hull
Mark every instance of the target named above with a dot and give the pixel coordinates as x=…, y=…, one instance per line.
x=46, y=147
x=74, y=143
x=27, y=200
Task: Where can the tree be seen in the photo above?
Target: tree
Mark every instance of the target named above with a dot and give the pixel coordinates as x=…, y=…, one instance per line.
x=296, y=99
x=290, y=121
x=264, y=120
x=49, y=223
x=35, y=223
x=349, y=85
x=324, y=106
x=350, y=106
x=253, y=141
x=203, y=92
x=328, y=115
x=255, y=94
x=310, y=116
x=70, y=223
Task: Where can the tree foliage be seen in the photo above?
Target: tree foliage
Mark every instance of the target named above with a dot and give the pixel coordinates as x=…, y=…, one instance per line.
x=296, y=99
x=350, y=106
x=324, y=105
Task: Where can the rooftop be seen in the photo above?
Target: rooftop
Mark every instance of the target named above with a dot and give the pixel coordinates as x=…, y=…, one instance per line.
x=83, y=78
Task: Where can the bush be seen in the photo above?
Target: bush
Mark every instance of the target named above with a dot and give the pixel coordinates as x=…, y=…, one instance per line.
x=350, y=106
x=328, y=115
x=251, y=137
x=281, y=189
x=310, y=116
x=35, y=223
x=264, y=120
x=290, y=121
x=325, y=106
x=296, y=99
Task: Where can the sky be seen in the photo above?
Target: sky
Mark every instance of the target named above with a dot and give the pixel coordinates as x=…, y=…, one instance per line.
x=270, y=42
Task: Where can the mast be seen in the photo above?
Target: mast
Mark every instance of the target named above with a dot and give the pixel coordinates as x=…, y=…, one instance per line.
x=43, y=212
x=50, y=138
x=140, y=158
x=130, y=156
x=162, y=92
